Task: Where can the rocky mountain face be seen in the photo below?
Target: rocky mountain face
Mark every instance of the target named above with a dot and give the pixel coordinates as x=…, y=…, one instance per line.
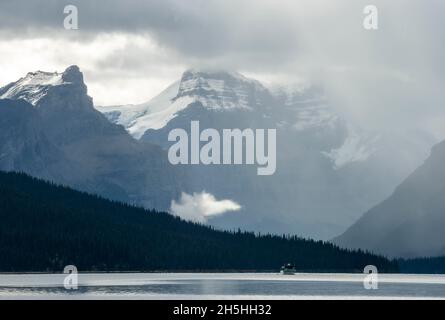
x=410, y=222
x=50, y=129
x=327, y=172
x=24, y=146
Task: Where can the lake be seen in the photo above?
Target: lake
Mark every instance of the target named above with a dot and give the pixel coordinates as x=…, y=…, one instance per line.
x=221, y=286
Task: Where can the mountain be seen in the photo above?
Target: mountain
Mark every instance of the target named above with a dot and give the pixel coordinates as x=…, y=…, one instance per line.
x=328, y=169
x=52, y=130
x=46, y=227
x=410, y=222
x=217, y=91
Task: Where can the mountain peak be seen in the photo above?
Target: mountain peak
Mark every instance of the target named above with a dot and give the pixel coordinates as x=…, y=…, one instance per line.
x=218, y=89
x=72, y=74
x=229, y=77
x=215, y=90
x=35, y=85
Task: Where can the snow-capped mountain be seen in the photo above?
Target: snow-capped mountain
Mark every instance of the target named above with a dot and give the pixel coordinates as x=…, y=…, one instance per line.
x=218, y=91
x=221, y=90
x=328, y=170
x=32, y=87
x=50, y=129
x=302, y=107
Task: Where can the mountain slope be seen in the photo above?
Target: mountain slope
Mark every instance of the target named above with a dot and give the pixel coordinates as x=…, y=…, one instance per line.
x=24, y=145
x=153, y=114
x=45, y=227
x=410, y=222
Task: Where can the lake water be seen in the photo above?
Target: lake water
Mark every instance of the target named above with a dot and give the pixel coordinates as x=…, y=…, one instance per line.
x=220, y=286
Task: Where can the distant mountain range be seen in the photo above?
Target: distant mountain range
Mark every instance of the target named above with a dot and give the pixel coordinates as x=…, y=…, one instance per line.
x=329, y=170
x=46, y=227
x=410, y=222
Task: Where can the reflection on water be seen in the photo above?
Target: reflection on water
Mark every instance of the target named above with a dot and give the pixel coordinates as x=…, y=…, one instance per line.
x=221, y=287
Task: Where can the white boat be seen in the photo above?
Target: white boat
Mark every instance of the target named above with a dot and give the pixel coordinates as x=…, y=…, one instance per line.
x=288, y=269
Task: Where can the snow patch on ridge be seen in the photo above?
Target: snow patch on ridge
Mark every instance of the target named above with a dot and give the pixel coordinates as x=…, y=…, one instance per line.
x=154, y=114
x=158, y=120
x=33, y=87
x=355, y=148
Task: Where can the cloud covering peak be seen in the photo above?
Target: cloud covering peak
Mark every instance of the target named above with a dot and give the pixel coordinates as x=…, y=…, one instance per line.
x=130, y=51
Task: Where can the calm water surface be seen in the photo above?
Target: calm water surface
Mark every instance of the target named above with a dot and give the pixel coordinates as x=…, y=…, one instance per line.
x=221, y=286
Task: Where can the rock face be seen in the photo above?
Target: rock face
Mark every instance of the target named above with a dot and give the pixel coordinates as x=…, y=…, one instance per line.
x=50, y=129
x=410, y=222
x=328, y=170
x=24, y=146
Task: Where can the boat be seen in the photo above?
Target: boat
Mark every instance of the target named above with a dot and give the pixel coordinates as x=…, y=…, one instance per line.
x=288, y=269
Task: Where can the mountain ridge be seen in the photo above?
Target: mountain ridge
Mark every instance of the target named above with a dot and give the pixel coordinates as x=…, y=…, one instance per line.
x=408, y=223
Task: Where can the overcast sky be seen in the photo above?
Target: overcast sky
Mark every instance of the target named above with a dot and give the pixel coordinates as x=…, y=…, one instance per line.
x=130, y=50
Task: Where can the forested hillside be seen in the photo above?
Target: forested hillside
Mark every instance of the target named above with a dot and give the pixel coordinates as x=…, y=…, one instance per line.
x=45, y=227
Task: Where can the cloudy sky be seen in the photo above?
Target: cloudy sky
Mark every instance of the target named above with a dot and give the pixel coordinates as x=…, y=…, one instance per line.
x=130, y=50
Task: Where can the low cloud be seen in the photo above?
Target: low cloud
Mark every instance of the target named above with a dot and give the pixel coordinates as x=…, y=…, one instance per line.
x=201, y=206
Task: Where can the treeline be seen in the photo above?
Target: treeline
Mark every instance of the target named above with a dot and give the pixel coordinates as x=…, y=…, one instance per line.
x=433, y=265
x=44, y=227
